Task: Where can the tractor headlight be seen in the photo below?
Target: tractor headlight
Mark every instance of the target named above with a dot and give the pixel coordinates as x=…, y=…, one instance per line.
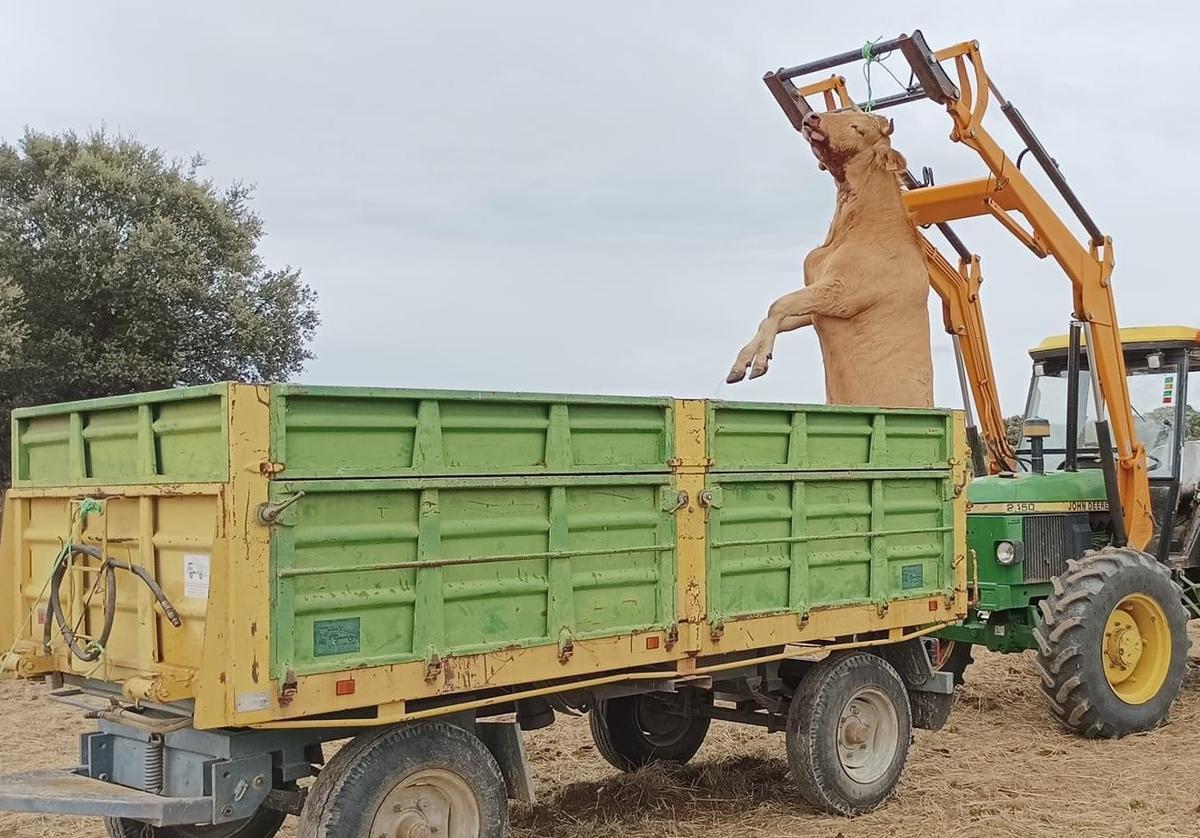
x=1006, y=553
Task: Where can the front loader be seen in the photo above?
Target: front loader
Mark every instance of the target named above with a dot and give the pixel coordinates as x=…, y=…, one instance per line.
x=1083, y=541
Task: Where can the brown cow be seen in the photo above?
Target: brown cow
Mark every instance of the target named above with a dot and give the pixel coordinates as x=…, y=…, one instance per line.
x=866, y=288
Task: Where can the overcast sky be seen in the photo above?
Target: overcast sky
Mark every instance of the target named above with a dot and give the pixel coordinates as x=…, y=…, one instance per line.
x=605, y=198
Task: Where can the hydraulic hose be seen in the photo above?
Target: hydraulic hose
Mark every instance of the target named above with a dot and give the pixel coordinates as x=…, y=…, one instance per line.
x=95, y=648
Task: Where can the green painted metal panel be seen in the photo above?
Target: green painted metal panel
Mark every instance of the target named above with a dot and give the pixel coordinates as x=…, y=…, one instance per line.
x=361, y=432
x=168, y=436
x=766, y=437
x=802, y=541
x=374, y=571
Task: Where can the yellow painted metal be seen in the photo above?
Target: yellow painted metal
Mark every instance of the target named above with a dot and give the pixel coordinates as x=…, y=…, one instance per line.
x=220, y=658
x=1136, y=650
x=1088, y=266
x=1153, y=335
x=690, y=467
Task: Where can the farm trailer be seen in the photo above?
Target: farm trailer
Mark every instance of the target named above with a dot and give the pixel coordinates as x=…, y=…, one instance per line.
x=228, y=577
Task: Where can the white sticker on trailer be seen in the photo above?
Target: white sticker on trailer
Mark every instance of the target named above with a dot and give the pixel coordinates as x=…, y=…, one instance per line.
x=197, y=568
x=252, y=702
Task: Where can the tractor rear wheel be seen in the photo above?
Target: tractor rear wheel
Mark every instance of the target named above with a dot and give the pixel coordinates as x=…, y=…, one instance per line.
x=1112, y=651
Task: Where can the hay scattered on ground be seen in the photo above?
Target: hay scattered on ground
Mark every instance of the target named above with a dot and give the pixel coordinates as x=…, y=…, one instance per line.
x=1000, y=769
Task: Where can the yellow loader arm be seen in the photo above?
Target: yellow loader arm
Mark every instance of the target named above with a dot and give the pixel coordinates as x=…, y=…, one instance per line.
x=1004, y=193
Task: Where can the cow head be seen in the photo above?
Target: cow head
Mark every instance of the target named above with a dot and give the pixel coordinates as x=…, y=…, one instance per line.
x=839, y=137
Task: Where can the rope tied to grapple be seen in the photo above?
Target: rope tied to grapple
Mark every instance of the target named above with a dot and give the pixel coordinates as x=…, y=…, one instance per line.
x=871, y=57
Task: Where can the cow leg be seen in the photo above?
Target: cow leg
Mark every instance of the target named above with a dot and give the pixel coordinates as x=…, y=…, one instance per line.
x=791, y=311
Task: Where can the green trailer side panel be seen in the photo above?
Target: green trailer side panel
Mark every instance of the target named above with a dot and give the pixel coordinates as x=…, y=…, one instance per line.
x=766, y=437
x=169, y=436
x=792, y=543
x=359, y=432
x=369, y=572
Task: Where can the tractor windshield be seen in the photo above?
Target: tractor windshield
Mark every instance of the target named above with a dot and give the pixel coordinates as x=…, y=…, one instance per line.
x=1152, y=395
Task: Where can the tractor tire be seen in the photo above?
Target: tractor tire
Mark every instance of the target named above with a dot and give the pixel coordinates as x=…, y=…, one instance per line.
x=418, y=778
x=262, y=824
x=848, y=732
x=1112, y=650
x=631, y=732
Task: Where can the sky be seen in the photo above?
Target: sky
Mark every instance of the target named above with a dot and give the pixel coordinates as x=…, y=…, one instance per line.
x=604, y=198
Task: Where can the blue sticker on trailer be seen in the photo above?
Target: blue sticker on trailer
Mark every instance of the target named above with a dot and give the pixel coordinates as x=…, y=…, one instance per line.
x=337, y=637
x=912, y=576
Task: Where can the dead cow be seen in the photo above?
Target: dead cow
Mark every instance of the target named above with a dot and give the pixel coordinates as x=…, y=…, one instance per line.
x=867, y=286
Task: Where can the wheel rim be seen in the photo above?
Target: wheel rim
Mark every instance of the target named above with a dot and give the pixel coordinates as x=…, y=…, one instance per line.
x=1136, y=649
x=868, y=735
x=659, y=728
x=432, y=803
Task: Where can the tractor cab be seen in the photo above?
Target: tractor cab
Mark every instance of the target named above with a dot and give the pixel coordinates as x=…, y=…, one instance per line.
x=1059, y=432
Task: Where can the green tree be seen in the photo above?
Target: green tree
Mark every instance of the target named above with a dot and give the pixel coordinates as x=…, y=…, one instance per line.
x=1013, y=426
x=12, y=325
x=136, y=274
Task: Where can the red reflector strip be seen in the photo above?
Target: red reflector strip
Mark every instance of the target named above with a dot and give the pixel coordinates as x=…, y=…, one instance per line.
x=652, y=642
x=933, y=606
x=344, y=687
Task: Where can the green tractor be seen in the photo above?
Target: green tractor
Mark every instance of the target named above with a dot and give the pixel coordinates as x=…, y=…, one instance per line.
x=1048, y=561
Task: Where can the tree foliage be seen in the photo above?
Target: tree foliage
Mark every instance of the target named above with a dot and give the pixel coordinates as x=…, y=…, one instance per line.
x=12, y=325
x=134, y=273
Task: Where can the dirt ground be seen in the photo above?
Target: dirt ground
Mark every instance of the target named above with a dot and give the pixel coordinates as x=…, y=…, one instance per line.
x=1000, y=769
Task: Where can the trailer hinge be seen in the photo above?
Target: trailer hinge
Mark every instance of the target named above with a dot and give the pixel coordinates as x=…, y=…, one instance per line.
x=433, y=666
x=718, y=629
x=672, y=636
x=882, y=608
x=802, y=618
x=566, y=645
x=287, y=690
x=268, y=468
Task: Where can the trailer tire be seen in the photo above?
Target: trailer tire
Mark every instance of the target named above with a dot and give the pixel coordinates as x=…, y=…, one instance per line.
x=848, y=731
x=630, y=734
x=1112, y=649
x=425, y=777
x=262, y=824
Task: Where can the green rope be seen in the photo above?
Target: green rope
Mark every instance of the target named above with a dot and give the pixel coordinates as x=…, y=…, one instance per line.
x=869, y=58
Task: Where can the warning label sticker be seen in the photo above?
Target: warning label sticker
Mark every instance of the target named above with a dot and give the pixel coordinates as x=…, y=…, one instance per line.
x=197, y=568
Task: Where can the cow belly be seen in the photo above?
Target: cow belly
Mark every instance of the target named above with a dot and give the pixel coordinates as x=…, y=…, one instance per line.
x=878, y=361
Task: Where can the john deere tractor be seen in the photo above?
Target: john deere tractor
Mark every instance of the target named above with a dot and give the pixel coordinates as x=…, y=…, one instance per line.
x=1083, y=540
x=1050, y=560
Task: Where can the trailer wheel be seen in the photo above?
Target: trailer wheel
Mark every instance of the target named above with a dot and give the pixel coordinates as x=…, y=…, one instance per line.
x=634, y=730
x=848, y=732
x=1112, y=652
x=262, y=824
x=420, y=780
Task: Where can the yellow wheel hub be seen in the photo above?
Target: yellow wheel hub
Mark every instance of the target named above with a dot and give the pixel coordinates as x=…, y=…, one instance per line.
x=1136, y=649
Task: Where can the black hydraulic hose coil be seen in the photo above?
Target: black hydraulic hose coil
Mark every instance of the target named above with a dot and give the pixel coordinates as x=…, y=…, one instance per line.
x=94, y=649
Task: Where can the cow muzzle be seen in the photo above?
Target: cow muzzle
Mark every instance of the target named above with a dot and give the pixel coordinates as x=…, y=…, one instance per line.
x=812, y=128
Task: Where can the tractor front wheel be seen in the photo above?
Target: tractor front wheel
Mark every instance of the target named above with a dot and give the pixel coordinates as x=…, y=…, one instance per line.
x=1112, y=651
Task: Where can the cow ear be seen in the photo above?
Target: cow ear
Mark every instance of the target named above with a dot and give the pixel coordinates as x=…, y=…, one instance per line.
x=892, y=160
